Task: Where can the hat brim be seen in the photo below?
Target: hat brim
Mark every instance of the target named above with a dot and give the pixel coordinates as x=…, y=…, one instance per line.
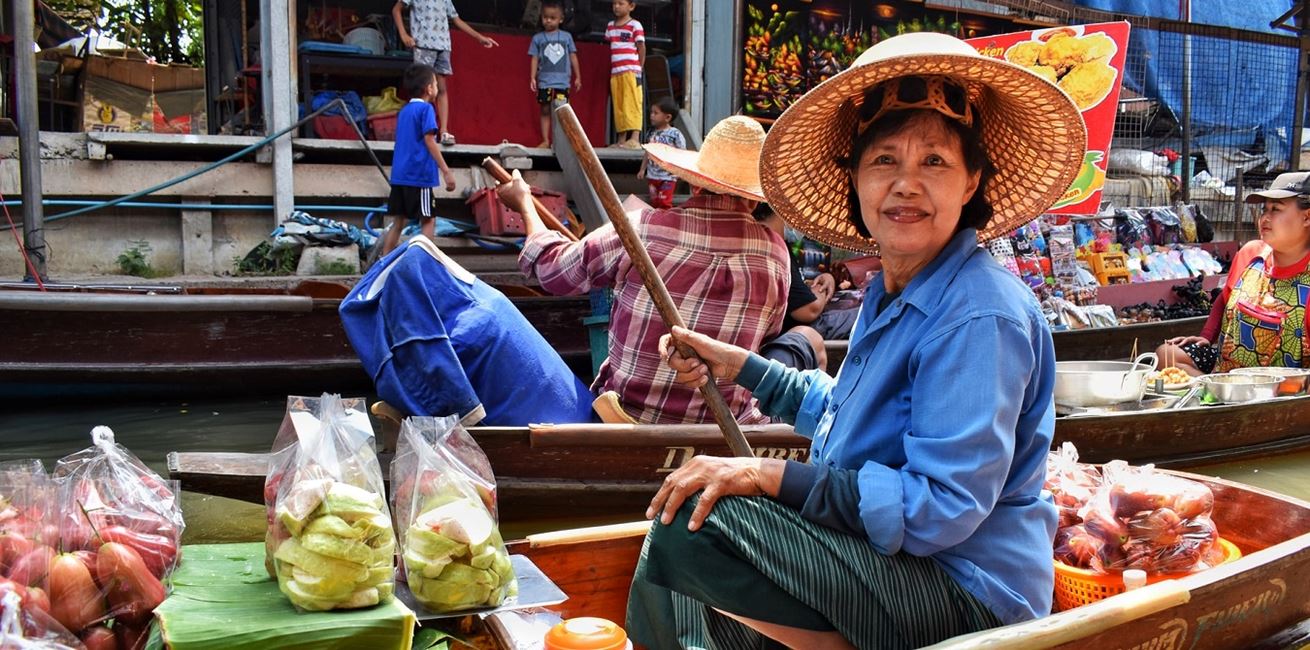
x=1032, y=131
x=1259, y=197
x=685, y=164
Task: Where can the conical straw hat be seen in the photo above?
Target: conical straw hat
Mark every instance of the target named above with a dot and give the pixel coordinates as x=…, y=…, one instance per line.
x=1031, y=130
x=728, y=161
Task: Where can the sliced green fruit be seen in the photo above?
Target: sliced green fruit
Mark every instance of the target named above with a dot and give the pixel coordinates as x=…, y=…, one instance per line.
x=291, y=551
x=337, y=547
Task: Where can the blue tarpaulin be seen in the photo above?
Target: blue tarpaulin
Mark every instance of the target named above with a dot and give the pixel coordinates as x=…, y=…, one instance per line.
x=1241, y=91
x=438, y=341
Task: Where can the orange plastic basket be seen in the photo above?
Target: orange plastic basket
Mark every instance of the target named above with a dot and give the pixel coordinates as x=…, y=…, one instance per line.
x=1075, y=586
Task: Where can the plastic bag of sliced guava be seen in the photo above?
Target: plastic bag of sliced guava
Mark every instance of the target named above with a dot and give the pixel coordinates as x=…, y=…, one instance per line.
x=330, y=543
x=444, y=504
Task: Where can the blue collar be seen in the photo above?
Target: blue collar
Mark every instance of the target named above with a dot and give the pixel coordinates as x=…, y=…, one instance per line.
x=927, y=287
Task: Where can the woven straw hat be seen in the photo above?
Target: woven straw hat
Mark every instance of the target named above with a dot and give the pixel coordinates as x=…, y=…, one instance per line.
x=728, y=161
x=1031, y=130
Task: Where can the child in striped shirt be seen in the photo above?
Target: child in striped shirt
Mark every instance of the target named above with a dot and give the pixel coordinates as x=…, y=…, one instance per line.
x=627, y=57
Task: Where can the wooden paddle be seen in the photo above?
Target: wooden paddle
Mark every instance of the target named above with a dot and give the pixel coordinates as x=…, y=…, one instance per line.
x=497, y=172
x=609, y=199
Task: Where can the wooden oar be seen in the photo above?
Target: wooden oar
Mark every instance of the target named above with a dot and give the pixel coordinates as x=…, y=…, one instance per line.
x=609, y=199
x=497, y=172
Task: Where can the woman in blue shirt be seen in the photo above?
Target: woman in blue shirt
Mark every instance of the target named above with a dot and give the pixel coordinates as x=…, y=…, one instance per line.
x=919, y=515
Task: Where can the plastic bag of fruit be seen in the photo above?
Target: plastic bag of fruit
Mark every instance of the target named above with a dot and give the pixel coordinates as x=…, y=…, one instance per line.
x=330, y=543
x=1152, y=521
x=27, y=506
x=106, y=494
x=26, y=624
x=1070, y=482
x=444, y=501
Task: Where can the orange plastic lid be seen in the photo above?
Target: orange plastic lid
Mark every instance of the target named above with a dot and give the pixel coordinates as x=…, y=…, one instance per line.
x=586, y=633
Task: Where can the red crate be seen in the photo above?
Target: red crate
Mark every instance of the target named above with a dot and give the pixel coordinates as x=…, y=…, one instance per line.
x=495, y=219
x=383, y=125
x=333, y=127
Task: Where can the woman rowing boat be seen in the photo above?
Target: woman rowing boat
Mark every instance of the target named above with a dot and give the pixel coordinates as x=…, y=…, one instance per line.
x=919, y=516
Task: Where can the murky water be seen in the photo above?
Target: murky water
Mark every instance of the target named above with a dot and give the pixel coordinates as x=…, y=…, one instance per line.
x=152, y=429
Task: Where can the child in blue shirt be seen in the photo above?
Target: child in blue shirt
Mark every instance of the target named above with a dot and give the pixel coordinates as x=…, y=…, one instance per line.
x=416, y=165
x=554, y=61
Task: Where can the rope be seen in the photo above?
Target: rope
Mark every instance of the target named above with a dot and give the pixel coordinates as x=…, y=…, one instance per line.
x=22, y=248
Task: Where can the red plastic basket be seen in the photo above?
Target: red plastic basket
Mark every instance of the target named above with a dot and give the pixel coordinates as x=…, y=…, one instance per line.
x=333, y=127
x=383, y=125
x=495, y=219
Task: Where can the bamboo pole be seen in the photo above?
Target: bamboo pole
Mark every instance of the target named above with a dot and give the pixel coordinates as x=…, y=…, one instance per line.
x=609, y=199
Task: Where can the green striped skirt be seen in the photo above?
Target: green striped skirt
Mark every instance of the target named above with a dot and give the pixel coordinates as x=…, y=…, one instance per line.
x=760, y=559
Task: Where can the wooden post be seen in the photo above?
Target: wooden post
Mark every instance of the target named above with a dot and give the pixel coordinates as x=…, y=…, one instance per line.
x=609, y=199
x=29, y=140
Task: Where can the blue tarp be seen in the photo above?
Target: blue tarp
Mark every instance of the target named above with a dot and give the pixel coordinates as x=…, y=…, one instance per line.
x=438, y=341
x=1240, y=90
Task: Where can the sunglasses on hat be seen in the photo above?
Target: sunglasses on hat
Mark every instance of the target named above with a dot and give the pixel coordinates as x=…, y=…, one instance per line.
x=943, y=94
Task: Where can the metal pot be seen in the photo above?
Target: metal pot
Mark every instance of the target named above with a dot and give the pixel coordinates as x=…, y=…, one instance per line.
x=1294, y=380
x=1231, y=388
x=1101, y=383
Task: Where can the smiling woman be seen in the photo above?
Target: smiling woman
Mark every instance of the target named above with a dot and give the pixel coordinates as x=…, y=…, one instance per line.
x=919, y=516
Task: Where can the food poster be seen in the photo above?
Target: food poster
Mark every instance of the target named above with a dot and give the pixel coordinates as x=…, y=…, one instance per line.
x=1087, y=61
x=792, y=46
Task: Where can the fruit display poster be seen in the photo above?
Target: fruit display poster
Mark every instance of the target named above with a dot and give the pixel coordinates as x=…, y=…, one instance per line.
x=791, y=46
x=1087, y=61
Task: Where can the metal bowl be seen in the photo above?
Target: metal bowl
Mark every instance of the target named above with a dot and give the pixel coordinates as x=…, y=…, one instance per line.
x=1101, y=383
x=1233, y=388
x=1293, y=382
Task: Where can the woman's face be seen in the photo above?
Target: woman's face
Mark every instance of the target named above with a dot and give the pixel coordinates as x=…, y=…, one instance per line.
x=1283, y=225
x=912, y=186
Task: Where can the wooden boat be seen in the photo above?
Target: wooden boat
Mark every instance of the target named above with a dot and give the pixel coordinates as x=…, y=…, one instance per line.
x=157, y=340
x=1095, y=344
x=601, y=469
x=616, y=468
x=1190, y=436
x=1242, y=604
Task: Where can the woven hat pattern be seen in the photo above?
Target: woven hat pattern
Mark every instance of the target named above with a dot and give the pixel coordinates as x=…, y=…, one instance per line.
x=1031, y=130
x=728, y=162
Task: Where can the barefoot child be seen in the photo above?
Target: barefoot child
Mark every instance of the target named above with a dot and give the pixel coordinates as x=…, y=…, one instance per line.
x=627, y=58
x=659, y=181
x=429, y=35
x=416, y=165
x=554, y=61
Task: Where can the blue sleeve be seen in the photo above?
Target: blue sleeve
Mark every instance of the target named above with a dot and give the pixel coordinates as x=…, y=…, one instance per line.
x=534, y=46
x=682, y=141
x=960, y=442
x=428, y=120
x=799, y=398
x=573, y=48
x=829, y=496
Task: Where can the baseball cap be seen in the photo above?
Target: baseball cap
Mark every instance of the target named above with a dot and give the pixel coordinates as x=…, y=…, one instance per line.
x=1284, y=186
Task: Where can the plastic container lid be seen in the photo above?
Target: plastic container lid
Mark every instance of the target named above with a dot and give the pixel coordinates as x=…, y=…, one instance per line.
x=1134, y=579
x=586, y=633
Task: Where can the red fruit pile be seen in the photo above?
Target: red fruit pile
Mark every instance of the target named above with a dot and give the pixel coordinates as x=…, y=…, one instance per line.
x=1136, y=518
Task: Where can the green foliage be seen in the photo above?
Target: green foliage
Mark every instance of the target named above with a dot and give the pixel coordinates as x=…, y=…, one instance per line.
x=264, y=260
x=169, y=30
x=133, y=261
x=335, y=267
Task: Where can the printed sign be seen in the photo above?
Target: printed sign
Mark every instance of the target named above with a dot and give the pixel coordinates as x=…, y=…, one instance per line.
x=1087, y=61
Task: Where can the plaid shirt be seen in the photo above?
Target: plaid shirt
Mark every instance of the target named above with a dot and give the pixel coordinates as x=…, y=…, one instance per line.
x=727, y=275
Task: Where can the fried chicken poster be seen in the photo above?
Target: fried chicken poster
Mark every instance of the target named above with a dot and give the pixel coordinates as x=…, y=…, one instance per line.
x=1087, y=61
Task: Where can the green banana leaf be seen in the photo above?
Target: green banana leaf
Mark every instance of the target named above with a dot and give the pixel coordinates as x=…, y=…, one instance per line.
x=223, y=598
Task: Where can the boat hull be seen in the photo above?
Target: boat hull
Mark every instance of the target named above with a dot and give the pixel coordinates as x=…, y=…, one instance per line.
x=1236, y=605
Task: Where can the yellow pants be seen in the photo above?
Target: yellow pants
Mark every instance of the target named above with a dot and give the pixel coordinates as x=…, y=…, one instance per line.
x=626, y=94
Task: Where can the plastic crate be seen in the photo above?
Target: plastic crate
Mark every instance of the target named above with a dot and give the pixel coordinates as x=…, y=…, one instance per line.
x=1075, y=586
x=495, y=219
x=383, y=125
x=333, y=127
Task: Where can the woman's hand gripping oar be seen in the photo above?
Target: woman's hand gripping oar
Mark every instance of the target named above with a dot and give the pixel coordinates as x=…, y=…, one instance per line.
x=609, y=199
